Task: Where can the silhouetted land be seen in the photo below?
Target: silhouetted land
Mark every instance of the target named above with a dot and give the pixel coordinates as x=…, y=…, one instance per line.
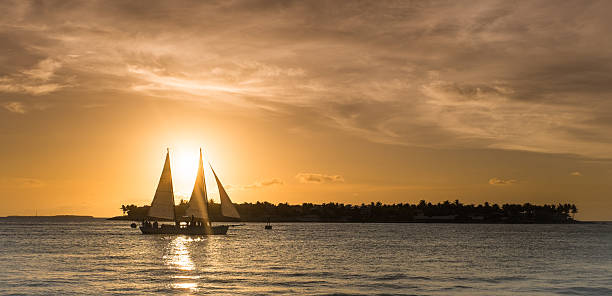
x=55, y=217
x=423, y=212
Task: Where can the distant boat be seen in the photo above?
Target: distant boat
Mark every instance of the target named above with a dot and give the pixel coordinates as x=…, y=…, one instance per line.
x=196, y=220
x=268, y=226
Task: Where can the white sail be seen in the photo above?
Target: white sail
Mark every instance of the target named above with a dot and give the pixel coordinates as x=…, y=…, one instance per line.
x=162, y=206
x=198, y=204
x=227, y=207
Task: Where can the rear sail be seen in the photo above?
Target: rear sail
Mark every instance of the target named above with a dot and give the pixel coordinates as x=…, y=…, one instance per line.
x=198, y=204
x=227, y=207
x=162, y=206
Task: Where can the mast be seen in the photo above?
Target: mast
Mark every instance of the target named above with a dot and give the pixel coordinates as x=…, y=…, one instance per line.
x=162, y=206
x=227, y=208
x=198, y=203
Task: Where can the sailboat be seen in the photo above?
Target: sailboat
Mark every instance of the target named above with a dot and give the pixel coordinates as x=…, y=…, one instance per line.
x=196, y=218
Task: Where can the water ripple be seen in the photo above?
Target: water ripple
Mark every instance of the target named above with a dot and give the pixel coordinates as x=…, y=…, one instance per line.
x=105, y=257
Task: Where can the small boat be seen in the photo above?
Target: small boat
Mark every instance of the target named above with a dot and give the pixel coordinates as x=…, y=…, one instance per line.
x=196, y=221
x=268, y=226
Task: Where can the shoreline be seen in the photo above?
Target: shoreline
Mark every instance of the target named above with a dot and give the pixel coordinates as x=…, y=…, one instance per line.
x=433, y=221
x=50, y=217
x=126, y=218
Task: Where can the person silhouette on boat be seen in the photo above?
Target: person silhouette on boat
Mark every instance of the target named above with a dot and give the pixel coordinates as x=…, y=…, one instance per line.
x=155, y=224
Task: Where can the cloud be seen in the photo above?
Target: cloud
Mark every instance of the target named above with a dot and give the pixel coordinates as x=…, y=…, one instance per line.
x=431, y=73
x=319, y=178
x=21, y=183
x=33, y=81
x=257, y=185
x=576, y=174
x=497, y=181
x=15, y=107
x=261, y=184
x=43, y=71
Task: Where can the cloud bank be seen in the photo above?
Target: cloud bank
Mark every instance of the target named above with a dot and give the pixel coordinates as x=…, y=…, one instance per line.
x=532, y=75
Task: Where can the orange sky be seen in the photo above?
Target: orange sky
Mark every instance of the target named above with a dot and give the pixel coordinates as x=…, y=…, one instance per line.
x=306, y=102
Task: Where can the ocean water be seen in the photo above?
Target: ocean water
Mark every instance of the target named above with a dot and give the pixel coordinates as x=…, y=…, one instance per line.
x=99, y=257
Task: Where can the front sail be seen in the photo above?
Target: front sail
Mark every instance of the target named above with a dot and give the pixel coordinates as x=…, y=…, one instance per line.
x=162, y=206
x=198, y=204
x=227, y=207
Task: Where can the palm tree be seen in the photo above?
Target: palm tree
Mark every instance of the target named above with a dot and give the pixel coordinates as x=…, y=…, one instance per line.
x=124, y=209
x=574, y=211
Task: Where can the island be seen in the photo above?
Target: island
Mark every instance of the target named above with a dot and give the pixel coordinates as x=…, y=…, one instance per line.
x=423, y=212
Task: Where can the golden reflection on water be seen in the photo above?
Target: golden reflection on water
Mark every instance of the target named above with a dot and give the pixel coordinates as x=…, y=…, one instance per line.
x=179, y=254
x=180, y=260
x=191, y=286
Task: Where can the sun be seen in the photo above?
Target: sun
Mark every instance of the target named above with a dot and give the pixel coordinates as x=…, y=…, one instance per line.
x=184, y=164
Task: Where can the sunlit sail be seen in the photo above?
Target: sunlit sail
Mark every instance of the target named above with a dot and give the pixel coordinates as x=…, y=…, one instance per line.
x=162, y=206
x=227, y=207
x=198, y=204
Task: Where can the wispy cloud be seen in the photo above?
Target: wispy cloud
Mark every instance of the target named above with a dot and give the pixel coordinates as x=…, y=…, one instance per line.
x=257, y=184
x=576, y=174
x=261, y=184
x=436, y=74
x=43, y=71
x=498, y=181
x=20, y=183
x=15, y=107
x=33, y=81
x=316, y=178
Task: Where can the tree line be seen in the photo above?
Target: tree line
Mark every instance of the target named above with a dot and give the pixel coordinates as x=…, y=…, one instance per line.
x=448, y=212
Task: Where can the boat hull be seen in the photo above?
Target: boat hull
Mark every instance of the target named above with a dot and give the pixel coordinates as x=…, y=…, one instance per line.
x=191, y=230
